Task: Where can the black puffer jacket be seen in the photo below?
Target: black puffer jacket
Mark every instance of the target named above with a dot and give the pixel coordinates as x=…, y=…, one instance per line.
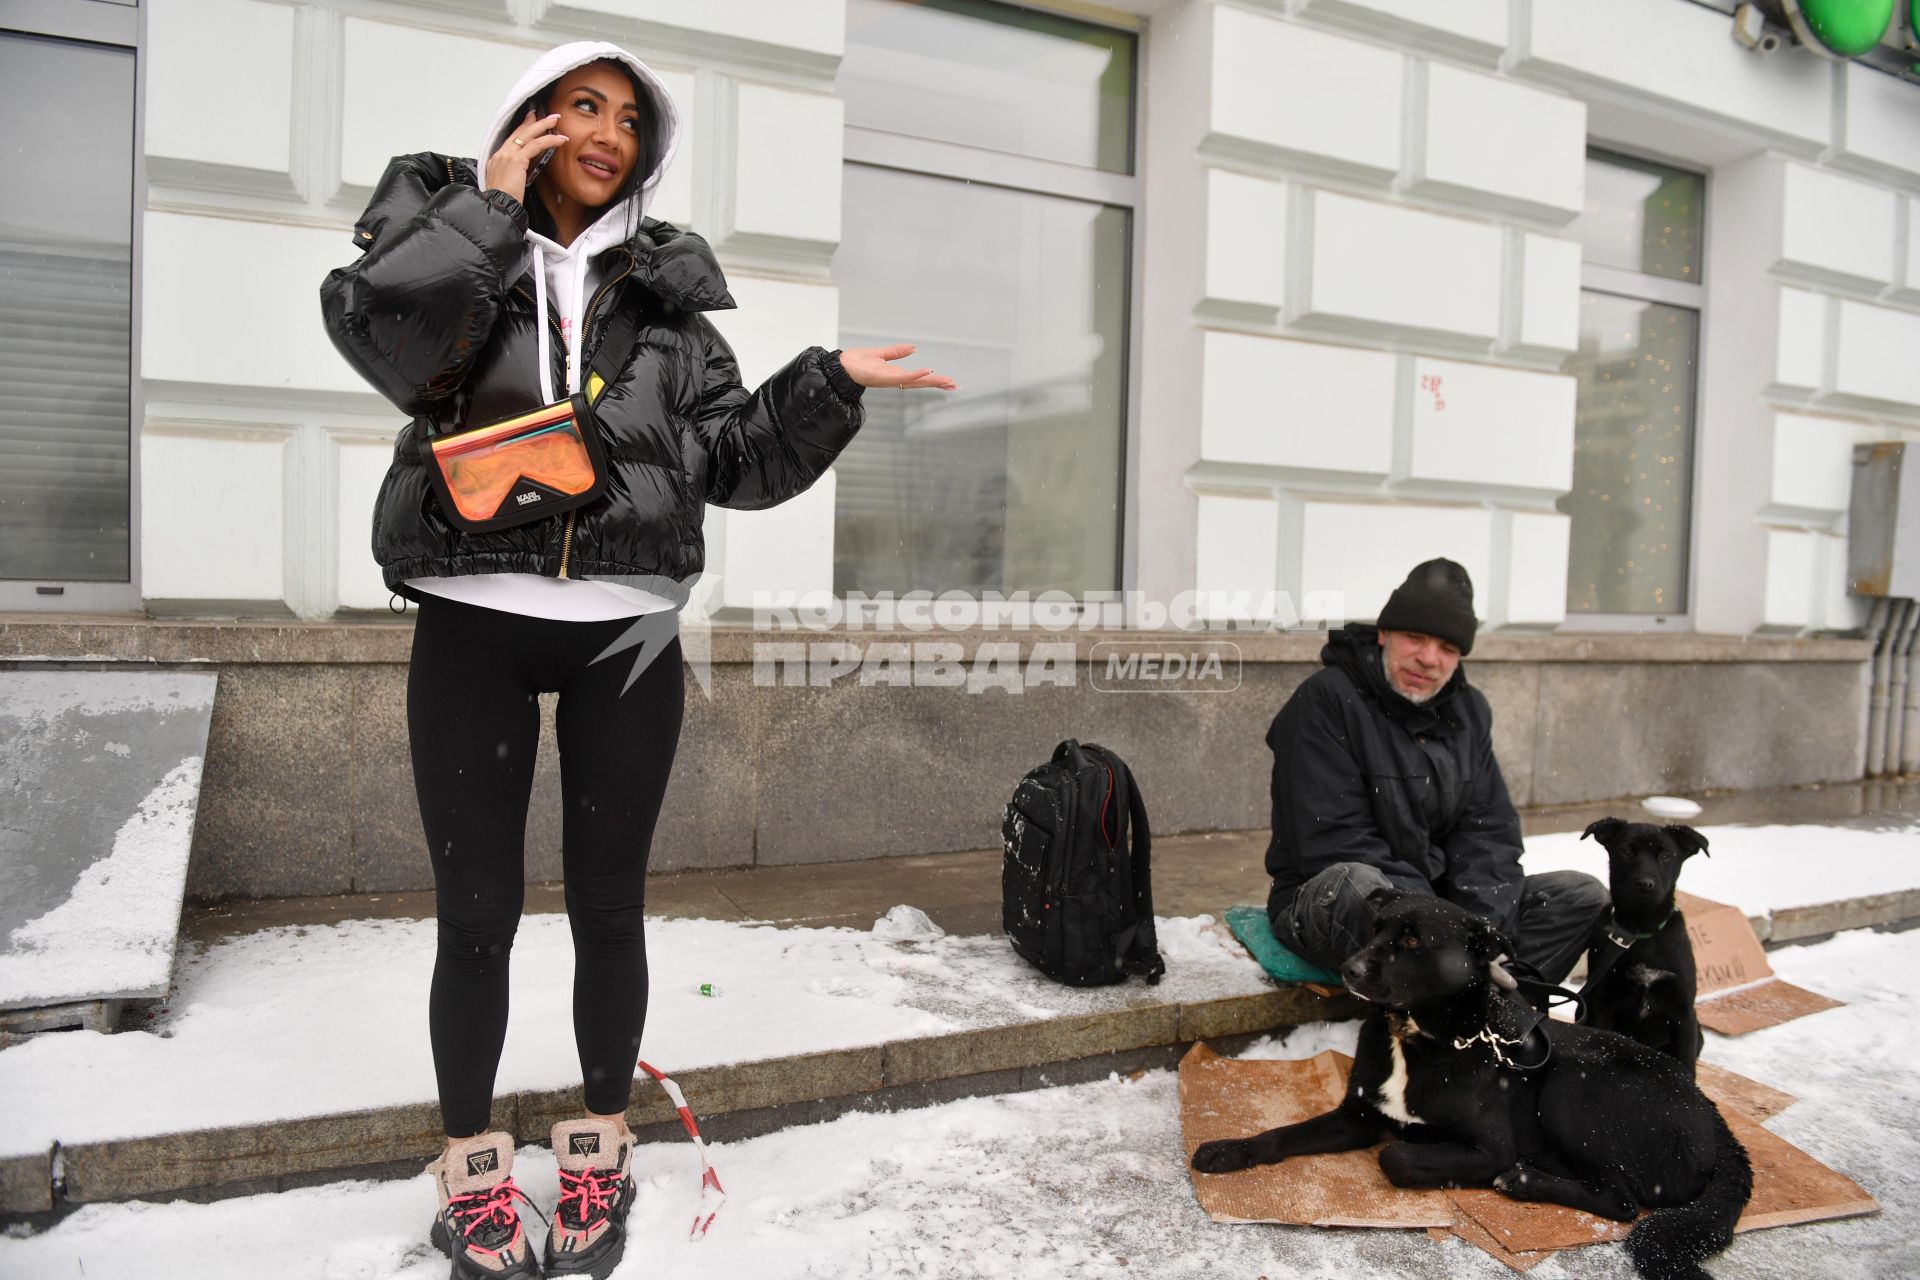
x=438, y=314
x=1360, y=774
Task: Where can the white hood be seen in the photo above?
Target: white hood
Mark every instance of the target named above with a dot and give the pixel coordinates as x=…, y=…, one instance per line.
x=563, y=269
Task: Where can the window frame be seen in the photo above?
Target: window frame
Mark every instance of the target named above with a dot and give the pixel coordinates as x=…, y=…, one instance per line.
x=117, y=25
x=957, y=162
x=1641, y=286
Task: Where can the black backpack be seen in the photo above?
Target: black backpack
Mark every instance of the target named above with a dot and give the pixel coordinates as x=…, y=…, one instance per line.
x=1075, y=896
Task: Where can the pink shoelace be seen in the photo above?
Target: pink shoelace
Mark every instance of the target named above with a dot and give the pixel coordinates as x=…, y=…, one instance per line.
x=585, y=1192
x=491, y=1208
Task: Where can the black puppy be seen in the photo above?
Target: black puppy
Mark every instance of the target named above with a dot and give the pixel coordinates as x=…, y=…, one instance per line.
x=1483, y=1090
x=1640, y=976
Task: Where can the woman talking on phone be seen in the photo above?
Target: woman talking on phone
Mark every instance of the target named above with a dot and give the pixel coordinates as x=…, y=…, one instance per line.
x=521, y=311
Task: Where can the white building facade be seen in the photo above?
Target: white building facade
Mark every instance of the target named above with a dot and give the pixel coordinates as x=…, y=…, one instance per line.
x=1267, y=297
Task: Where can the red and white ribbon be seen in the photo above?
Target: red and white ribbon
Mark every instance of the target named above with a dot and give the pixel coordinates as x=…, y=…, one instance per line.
x=712, y=1194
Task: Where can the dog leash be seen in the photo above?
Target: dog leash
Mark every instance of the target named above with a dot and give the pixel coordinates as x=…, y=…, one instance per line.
x=1540, y=998
x=712, y=1194
x=1541, y=995
x=1500, y=1044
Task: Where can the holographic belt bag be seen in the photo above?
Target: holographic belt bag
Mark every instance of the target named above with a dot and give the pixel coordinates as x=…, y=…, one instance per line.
x=546, y=461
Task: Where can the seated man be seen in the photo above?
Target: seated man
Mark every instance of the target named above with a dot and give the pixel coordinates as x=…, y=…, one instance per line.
x=1383, y=774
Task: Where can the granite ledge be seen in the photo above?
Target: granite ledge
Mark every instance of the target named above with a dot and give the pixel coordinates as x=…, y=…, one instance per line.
x=30, y=637
x=26, y=1183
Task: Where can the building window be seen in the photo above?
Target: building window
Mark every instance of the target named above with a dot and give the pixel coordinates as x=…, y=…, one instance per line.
x=67, y=128
x=1638, y=363
x=988, y=216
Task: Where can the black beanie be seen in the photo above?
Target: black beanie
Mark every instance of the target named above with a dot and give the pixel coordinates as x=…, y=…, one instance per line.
x=1435, y=600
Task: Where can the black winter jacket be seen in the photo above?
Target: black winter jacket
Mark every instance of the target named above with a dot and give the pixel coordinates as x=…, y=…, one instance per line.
x=1360, y=774
x=438, y=314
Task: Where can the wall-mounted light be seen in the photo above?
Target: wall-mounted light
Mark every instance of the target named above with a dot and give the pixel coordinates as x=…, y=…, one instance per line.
x=1832, y=28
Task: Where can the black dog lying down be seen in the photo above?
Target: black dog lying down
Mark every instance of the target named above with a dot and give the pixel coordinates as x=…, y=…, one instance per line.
x=1483, y=1090
x=1641, y=980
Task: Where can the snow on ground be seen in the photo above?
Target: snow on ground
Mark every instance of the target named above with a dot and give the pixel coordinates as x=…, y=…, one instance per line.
x=1764, y=869
x=344, y=1005
x=298, y=1022
x=1081, y=1181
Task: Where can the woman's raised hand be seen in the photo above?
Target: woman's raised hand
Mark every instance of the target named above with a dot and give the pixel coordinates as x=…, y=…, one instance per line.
x=531, y=138
x=872, y=367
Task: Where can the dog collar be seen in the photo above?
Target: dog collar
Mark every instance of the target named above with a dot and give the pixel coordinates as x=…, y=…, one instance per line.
x=1615, y=931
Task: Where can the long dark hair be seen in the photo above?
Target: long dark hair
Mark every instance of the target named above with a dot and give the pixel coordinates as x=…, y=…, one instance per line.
x=541, y=104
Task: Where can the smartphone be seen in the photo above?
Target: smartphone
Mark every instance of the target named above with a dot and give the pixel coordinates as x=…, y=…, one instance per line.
x=531, y=107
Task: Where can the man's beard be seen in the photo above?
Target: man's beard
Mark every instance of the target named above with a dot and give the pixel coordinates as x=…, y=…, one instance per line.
x=1417, y=699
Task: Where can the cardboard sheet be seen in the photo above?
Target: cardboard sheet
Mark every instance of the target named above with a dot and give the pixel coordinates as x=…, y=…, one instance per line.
x=1737, y=992
x=1228, y=1098
x=1518, y=1226
x=1755, y=1008
x=1465, y=1228
x=1734, y=1091
x=1790, y=1186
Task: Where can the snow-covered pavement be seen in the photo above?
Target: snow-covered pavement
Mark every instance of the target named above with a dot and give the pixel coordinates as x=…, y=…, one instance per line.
x=343, y=1005
x=298, y=1022
x=1081, y=1181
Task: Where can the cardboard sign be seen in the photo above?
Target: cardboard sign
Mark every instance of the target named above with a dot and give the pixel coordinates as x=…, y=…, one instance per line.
x=1725, y=951
x=1736, y=991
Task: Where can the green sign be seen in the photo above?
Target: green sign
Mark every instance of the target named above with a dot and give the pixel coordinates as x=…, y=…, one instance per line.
x=1847, y=27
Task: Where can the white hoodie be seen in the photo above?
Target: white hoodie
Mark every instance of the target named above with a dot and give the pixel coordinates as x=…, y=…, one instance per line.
x=563, y=279
x=567, y=281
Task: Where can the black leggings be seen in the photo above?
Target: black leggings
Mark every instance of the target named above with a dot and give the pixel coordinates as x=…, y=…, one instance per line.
x=473, y=722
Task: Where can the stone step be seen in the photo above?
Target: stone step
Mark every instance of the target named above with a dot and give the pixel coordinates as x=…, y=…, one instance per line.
x=733, y=1101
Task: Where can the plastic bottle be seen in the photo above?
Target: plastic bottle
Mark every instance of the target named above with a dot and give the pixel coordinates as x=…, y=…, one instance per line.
x=706, y=988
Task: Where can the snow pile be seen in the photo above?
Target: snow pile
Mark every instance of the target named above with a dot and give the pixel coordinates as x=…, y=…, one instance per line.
x=1309, y=1040
x=1196, y=940
x=907, y=924
x=299, y=1022
x=1082, y=1181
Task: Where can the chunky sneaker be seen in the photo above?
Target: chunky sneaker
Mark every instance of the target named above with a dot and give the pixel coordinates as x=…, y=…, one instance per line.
x=596, y=1189
x=477, y=1226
